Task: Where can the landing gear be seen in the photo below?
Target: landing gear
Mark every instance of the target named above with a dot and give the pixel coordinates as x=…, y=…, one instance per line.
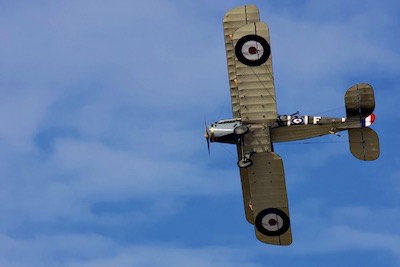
x=244, y=163
x=241, y=130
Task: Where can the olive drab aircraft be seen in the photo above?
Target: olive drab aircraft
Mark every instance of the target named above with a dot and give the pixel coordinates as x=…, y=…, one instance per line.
x=256, y=125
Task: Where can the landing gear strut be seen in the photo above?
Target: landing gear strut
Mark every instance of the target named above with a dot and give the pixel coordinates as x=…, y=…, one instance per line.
x=245, y=162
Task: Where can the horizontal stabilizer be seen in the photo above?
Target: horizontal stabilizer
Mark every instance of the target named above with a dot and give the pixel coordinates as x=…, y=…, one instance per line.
x=364, y=143
x=360, y=101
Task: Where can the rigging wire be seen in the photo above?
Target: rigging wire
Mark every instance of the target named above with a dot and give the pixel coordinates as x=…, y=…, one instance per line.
x=329, y=110
x=310, y=142
x=221, y=109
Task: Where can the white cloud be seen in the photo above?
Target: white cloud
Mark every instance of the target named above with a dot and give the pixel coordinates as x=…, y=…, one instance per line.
x=175, y=256
x=317, y=60
x=81, y=174
x=20, y=114
x=94, y=250
x=319, y=228
x=55, y=250
x=343, y=238
x=102, y=169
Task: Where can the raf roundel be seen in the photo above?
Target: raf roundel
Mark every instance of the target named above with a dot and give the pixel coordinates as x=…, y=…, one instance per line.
x=252, y=50
x=272, y=222
x=297, y=121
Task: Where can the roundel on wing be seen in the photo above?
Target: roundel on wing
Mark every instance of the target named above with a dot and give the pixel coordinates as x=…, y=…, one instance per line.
x=272, y=222
x=252, y=50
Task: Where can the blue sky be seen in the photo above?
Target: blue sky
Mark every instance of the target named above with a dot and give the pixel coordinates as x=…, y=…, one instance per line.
x=102, y=155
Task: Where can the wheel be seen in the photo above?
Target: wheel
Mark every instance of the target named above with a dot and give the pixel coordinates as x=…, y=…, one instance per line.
x=244, y=163
x=241, y=130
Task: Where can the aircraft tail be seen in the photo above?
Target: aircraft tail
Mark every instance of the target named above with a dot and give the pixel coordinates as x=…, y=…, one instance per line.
x=360, y=103
x=364, y=143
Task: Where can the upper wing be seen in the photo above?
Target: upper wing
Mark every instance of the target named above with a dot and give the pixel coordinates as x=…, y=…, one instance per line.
x=255, y=84
x=254, y=75
x=233, y=20
x=269, y=199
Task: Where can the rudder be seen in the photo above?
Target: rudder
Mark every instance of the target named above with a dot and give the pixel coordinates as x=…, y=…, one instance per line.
x=360, y=101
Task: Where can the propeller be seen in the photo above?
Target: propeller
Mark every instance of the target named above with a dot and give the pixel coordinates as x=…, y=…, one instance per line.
x=207, y=136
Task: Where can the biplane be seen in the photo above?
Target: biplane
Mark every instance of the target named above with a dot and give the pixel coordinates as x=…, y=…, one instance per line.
x=256, y=125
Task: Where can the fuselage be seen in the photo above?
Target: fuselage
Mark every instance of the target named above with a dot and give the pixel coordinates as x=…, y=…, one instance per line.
x=288, y=128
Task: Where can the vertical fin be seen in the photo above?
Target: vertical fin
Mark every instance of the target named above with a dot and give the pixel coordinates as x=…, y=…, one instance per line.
x=360, y=101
